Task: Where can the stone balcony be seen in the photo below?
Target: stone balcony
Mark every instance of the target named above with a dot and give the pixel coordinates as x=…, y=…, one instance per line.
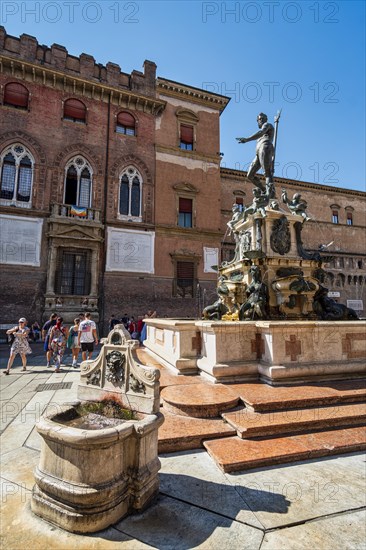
x=74, y=213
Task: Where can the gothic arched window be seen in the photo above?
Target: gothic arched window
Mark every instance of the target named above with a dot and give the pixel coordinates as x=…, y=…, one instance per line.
x=16, y=176
x=130, y=194
x=78, y=182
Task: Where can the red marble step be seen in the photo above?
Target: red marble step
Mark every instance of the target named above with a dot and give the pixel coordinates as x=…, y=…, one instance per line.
x=249, y=423
x=182, y=433
x=262, y=397
x=234, y=454
x=199, y=400
x=167, y=378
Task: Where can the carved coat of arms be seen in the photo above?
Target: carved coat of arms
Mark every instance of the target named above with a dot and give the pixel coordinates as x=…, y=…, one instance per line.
x=280, y=236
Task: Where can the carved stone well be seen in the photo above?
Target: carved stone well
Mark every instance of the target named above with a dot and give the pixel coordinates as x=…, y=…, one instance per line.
x=88, y=479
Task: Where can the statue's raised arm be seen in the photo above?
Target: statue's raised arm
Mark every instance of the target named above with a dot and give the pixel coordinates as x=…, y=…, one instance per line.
x=264, y=155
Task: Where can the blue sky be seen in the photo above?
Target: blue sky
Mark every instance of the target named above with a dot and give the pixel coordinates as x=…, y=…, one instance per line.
x=307, y=58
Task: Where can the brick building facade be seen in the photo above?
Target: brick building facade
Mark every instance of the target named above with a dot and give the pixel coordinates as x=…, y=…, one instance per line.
x=112, y=197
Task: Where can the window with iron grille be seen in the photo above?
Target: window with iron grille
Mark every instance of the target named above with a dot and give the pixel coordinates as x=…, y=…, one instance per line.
x=185, y=212
x=126, y=124
x=16, y=95
x=185, y=282
x=16, y=169
x=73, y=272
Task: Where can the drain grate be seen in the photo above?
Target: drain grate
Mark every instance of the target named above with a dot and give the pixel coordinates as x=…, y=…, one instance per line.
x=58, y=386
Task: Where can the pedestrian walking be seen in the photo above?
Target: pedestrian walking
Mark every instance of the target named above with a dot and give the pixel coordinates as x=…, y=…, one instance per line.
x=57, y=341
x=20, y=344
x=87, y=336
x=46, y=329
x=72, y=341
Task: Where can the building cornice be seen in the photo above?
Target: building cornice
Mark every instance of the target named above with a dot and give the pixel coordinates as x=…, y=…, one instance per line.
x=240, y=175
x=76, y=85
x=191, y=94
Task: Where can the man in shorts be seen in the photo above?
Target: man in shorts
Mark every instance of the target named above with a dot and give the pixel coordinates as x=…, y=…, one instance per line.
x=87, y=336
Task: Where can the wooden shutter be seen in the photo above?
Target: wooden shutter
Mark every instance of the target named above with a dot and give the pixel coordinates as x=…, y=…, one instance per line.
x=185, y=270
x=186, y=133
x=16, y=94
x=75, y=109
x=185, y=205
x=125, y=119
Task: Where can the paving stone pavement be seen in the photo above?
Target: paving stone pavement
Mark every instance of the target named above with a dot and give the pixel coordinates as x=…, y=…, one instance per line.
x=314, y=504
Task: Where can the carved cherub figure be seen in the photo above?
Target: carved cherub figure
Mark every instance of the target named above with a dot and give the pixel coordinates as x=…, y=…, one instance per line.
x=260, y=201
x=237, y=215
x=297, y=205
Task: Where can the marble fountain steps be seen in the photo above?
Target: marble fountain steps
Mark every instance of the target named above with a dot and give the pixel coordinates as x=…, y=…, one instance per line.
x=245, y=426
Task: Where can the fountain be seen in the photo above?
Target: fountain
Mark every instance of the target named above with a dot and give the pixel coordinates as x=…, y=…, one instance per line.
x=94, y=470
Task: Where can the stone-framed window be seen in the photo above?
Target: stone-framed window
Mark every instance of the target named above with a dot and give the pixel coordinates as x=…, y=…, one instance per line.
x=335, y=213
x=185, y=212
x=185, y=204
x=126, y=124
x=73, y=273
x=187, y=129
x=185, y=274
x=16, y=95
x=17, y=168
x=130, y=195
x=74, y=110
x=239, y=197
x=349, y=215
x=78, y=182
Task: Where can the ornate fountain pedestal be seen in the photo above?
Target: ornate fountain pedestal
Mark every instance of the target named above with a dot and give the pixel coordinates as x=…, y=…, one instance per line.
x=88, y=479
x=273, y=319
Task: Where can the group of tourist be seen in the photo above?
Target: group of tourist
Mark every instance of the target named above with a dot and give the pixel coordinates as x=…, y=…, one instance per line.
x=137, y=329
x=82, y=335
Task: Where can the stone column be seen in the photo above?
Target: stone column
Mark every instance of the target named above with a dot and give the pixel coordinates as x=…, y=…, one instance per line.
x=94, y=265
x=52, y=270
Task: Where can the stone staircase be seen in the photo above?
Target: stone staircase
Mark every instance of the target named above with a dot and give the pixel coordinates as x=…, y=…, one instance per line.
x=244, y=426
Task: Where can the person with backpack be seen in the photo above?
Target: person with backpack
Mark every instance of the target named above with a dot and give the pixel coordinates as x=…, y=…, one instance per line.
x=20, y=344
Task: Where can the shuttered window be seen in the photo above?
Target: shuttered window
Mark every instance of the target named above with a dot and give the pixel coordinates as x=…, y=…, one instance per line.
x=185, y=212
x=126, y=124
x=335, y=218
x=74, y=110
x=17, y=95
x=185, y=282
x=186, y=137
x=349, y=218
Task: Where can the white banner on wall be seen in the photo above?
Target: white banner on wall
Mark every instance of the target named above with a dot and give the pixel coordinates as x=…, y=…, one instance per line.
x=210, y=258
x=130, y=250
x=357, y=305
x=20, y=240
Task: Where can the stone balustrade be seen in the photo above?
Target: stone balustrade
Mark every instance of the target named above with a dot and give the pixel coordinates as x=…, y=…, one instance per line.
x=70, y=211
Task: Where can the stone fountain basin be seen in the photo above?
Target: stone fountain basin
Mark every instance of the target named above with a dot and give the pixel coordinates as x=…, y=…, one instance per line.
x=88, y=479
